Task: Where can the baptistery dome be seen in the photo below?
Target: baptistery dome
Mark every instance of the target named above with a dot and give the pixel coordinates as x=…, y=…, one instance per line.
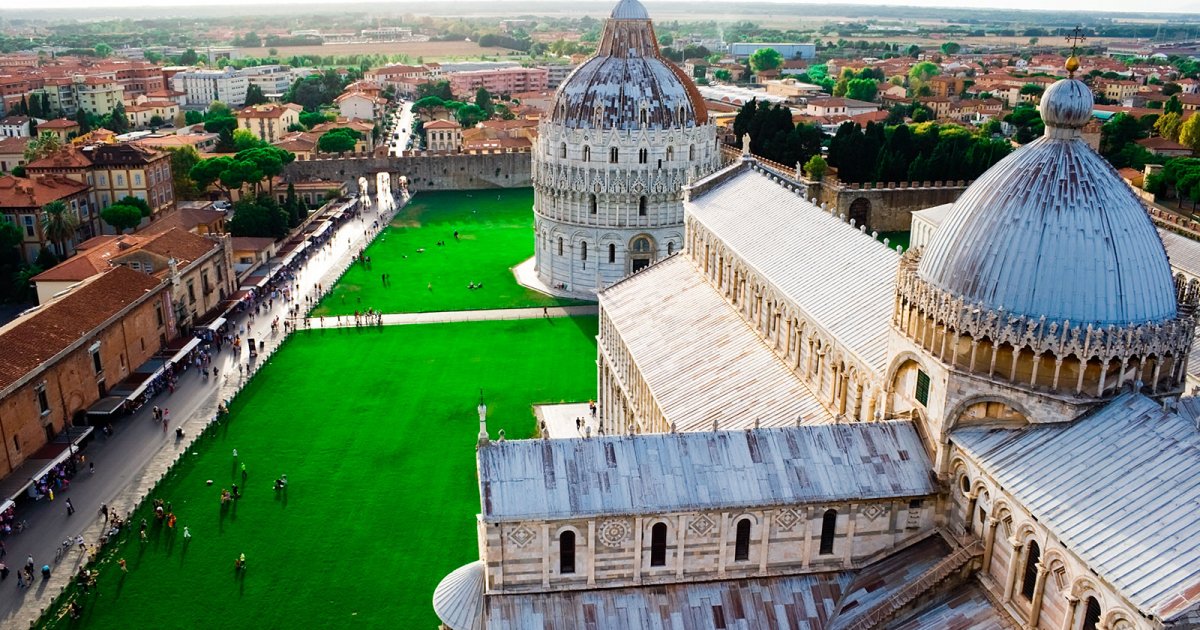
x=1052, y=231
x=627, y=84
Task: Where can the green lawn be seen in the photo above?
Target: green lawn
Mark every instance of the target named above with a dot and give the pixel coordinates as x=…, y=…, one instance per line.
x=495, y=234
x=375, y=429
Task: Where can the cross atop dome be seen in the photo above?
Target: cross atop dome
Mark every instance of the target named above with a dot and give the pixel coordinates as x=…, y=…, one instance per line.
x=630, y=10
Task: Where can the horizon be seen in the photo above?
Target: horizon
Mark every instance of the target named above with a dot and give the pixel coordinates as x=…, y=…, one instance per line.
x=1099, y=6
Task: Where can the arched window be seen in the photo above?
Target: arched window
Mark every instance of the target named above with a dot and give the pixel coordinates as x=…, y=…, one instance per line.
x=562, y=150
x=612, y=253
x=643, y=115
x=613, y=155
x=642, y=206
x=670, y=153
x=587, y=153
x=592, y=203
x=643, y=156
x=965, y=483
x=582, y=250
x=741, y=547
x=560, y=246
x=691, y=152
x=658, y=545
x=670, y=248
x=828, y=529
x=566, y=552
x=641, y=245
x=1091, y=614
x=1033, y=554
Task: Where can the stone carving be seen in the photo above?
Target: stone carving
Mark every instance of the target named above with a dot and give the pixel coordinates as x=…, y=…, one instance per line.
x=613, y=532
x=521, y=536
x=701, y=525
x=787, y=518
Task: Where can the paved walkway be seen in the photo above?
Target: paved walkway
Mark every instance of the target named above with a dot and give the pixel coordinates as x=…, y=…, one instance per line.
x=444, y=317
x=561, y=420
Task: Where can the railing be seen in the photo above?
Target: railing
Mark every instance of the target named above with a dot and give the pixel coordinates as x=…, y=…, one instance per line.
x=881, y=612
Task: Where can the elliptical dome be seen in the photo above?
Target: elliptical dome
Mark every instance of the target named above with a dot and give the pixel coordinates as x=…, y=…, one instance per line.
x=627, y=84
x=1053, y=231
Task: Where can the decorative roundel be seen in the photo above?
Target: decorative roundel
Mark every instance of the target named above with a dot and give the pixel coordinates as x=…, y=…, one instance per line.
x=613, y=532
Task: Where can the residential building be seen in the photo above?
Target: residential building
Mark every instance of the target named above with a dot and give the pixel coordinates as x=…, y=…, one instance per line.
x=205, y=86
x=21, y=203
x=501, y=81
x=62, y=357
x=443, y=135
x=833, y=106
x=201, y=142
x=1116, y=90
x=361, y=105
x=12, y=153
x=365, y=129
x=273, y=80
x=743, y=50
x=64, y=128
x=556, y=73
x=98, y=95
x=197, y=217
x=946, y=86
x=1165, y=147
x=148, y=113
x=15, y=127
x=269, y=122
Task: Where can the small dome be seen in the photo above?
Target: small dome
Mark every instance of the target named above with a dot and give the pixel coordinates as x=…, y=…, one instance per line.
x=1067, y=104
x=458, y=598
x=1052, y=231
x=628, y=85
x=630, y=10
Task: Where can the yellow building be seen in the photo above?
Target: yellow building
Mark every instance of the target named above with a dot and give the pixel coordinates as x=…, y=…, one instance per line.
x=269, y=122
x=144, y=111
x=98, y=95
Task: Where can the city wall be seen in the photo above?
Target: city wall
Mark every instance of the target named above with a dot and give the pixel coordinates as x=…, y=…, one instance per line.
x=423, y=171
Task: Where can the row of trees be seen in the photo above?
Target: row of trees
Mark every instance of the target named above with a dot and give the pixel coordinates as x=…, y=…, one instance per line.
x=919, y=152
x=774, y=136
x=1180, y=176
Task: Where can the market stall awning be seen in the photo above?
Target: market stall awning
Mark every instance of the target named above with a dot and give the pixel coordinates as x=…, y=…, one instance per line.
x=187, y=347
x=215, y=324
x=106, y=406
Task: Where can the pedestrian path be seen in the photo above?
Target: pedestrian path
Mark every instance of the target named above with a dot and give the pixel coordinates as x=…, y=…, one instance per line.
x=445, y=317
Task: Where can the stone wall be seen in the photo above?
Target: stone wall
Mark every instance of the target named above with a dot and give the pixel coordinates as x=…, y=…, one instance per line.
x=613, y=551
x=423, y=171
x=887, y=207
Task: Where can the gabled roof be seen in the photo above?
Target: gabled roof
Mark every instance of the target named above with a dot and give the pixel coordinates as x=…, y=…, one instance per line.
x=18, y=192
x=67, y=157
x=58, y=123
x=442, y=124
x=179, y=244
x=847, y=289
x=31, y=340
x=676, y=472
x=1119, y=488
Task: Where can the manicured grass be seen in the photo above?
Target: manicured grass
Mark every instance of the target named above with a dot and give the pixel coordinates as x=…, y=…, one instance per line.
x=495, y=234
x=375, y=430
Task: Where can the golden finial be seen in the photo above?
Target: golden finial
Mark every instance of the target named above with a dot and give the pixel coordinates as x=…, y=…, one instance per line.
x=1074, y=38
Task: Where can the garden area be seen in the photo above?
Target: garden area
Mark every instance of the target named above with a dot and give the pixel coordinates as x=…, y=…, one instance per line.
x=375, y=430
x=495, y=233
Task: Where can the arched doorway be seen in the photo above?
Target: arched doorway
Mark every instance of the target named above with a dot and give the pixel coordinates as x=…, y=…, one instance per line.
x=641, y=252
x=860, y=211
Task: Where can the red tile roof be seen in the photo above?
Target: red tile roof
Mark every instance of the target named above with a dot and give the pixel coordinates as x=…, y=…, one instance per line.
x=58, y=123
x=17, y=192
x=30, y=341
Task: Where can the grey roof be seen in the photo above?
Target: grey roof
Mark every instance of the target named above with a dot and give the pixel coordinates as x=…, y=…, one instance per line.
x=672, y=472
x=1051, y=230
x=458, y=598
x=1120, y=488
x=842, y=279
x=1183, y=252
x=630, y=10
x=699, y=358
x=799, y=602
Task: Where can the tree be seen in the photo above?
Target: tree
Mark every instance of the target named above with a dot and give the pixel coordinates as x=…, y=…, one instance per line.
x=182, y=161
x=118, y=120
x=10, y=236
x=193, y=118
x=950, y=48
x=103, y=50
x=312, y=119
x=188, y=58
x=1173, y=106
x=292, y=206
x=59, y=224
x=1189, y=133
x=483, y=100
x=722, y=74
x=268, y=160
x=244, y=139
x=254, y=96
x=1120, y=130
x=440, y=89
x=470, y=115
x=85, y=122
x=765, y=59
x=920, y=73
x=815, y=167
x=121, y=217
x=862, y=89
x=1168, y=126
x=260, y=216
x=45, y=259
x=140, y=204
x=336, y=141
x=44, y=145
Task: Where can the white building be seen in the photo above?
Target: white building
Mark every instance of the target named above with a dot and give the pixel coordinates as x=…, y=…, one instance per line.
x=205, y=86
x=273, y=80
x=626, y=131
x=15, y=127
x=361, y=105
x=769, y=398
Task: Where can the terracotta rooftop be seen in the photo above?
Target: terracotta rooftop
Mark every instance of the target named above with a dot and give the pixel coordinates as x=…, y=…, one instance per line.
x=30, y=341
x=9, y=146
x=18, y=192
x=122, y=154
x=98, y=253
x=442, y=124
x=14, y=120
x=58, y=123
x=179, y=244
x=263, y=111
x=184, y=218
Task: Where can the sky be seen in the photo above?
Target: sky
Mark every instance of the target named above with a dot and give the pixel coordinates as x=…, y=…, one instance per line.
x=1124, y=6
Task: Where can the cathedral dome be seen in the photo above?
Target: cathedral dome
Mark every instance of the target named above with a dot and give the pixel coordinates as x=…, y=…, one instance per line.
x=1052, y=231
x=628, y=85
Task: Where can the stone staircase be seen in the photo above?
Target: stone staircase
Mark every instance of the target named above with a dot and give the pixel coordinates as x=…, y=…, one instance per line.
x=875, y=616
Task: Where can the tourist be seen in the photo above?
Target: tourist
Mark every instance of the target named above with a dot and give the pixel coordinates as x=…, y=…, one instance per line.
x=104, y=511
x=243, y=473
x=240, y=563
x=21, y=579
x=70, y=508
x=187, y=534
x=79, y=541
x=3, y=572
x=121, y=563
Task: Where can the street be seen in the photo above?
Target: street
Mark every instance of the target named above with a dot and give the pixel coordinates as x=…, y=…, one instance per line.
x=402, y=131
